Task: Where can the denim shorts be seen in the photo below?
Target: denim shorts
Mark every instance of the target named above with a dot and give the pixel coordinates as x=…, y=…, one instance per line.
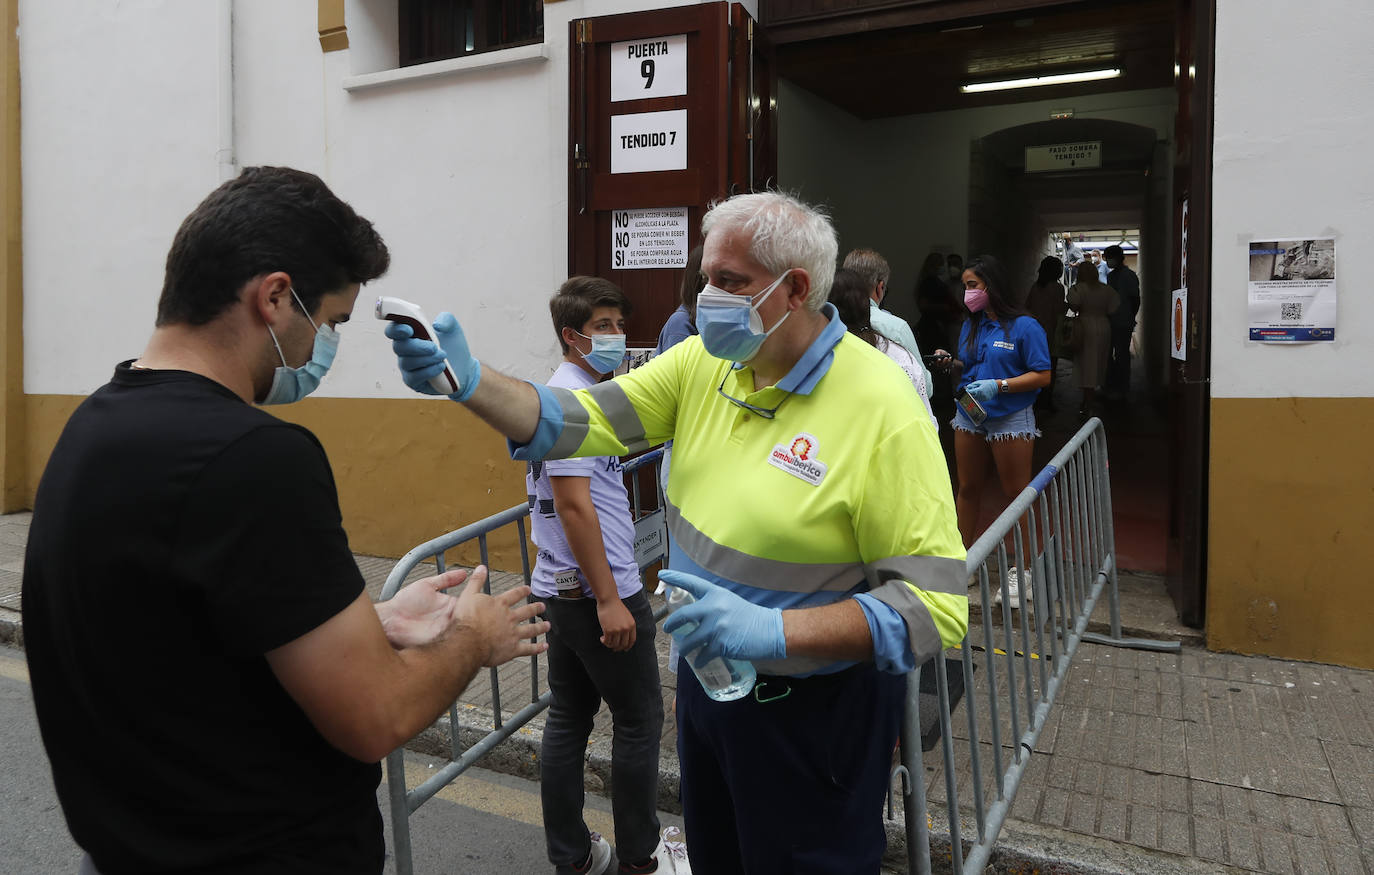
x=1020, y=424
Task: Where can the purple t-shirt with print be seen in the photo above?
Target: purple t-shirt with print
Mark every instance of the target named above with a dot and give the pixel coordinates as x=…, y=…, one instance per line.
x=555, y=560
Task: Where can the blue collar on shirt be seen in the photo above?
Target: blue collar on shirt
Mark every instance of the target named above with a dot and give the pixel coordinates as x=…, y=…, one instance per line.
x=816, y=361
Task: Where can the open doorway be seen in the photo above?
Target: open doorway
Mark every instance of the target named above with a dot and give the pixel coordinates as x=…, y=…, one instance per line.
x=871, y=125
x=1020, y=209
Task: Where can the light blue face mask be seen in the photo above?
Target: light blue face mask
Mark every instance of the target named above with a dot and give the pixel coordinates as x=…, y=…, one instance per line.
x=292, y=384
x=608, y=351
x=730, y=325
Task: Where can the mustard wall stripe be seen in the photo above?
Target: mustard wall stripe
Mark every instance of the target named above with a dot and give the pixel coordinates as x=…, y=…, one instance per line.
x=1291, y=505
x=333, y=33
x=14, y=481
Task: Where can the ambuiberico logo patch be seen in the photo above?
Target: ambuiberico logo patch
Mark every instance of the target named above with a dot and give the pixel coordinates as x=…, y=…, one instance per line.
x=799, y=459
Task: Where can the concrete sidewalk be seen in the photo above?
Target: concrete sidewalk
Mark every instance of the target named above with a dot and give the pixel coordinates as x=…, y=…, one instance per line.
x=1201, y=762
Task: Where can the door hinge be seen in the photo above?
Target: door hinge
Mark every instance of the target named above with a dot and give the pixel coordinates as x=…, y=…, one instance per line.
x=584, y=31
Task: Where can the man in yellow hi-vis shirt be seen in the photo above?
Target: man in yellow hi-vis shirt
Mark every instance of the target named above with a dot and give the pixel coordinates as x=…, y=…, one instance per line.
x=810, y=514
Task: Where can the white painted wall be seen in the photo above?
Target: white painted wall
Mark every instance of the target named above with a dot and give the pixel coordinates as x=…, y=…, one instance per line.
x=901, y=185
x=1291, y=160
x=118, y=120
x=464, y=174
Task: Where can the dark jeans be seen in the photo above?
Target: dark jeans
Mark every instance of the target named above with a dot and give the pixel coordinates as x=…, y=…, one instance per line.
x=792, y=786
x=582, y=673
x=1118, y=379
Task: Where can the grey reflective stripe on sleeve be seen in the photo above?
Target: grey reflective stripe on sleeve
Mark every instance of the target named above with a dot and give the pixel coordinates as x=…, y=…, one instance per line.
x=920, y=626
x=575, y=427
x=929, y=573
x=620, y=413
x=758, y=572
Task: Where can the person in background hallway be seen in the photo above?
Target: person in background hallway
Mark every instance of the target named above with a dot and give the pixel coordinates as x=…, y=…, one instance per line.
x=1101, y=264
x=1127, y=286
x=954, y=274
x=873, y=269
x=221, y=647
x=938, y=325
x=1073, y=257
x=682, y=324
x=1006, y=361
x=810, y=508
x=1093, y=301
x=849, y=294
x=601, y=644
x=1045, y=301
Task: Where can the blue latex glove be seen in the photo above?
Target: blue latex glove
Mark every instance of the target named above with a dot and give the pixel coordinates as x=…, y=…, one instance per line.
x=422, y=359
x=982, y=390
x=727, y=625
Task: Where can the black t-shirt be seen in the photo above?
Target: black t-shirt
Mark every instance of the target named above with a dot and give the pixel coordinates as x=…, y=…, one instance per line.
x=179, y=534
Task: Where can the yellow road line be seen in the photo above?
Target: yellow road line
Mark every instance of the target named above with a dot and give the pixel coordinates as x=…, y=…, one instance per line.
x=997, y=650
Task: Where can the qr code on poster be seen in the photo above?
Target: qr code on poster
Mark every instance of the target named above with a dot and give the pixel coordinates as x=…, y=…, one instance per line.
x=1290, y=312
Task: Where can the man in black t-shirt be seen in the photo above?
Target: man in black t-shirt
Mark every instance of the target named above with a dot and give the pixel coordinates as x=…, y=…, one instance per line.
x=213, y=685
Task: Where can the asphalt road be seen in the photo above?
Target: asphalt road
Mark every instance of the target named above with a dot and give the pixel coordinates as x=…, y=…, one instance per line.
x=482, y=824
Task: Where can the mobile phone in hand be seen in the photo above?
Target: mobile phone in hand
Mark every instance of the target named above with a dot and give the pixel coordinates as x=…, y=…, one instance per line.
x=972, y=409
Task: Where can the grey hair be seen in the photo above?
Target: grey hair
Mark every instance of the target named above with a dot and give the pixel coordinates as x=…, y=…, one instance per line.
x=784, y=233
x=868, y=264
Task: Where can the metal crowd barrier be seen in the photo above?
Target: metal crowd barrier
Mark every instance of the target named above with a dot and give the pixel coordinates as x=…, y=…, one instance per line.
x=651, y=545
x=1067, y=510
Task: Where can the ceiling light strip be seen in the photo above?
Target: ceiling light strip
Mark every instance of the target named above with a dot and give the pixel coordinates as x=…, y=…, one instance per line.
x=1035, y=81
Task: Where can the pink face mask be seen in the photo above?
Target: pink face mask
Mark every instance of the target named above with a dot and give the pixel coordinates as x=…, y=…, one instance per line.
x=975, y=299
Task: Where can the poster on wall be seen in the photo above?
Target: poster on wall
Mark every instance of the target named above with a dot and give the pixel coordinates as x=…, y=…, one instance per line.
x=650, y=238
x=1293, y=290
x=1178, y=325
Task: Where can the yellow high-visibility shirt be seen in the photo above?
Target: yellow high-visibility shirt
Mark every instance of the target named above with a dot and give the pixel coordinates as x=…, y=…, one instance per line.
x=844, y=492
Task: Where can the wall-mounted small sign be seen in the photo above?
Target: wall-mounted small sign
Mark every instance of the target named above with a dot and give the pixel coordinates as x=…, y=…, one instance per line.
x=1064, y=156
x=647, y=141
x=654, y=67
x=654, y=237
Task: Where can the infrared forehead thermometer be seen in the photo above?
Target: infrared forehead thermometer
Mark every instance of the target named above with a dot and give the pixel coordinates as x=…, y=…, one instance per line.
x=397, y=310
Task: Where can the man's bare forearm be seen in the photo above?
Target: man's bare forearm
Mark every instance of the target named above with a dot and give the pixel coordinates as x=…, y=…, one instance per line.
x=429, y=678
x=838, y=631
x=508, y=405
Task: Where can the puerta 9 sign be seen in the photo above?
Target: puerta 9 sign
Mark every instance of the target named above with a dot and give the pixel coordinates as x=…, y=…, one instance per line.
x=644, y=68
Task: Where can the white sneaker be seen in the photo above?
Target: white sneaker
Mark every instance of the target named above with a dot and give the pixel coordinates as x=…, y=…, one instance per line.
x=671, y=854
x=600, y=860
x=1011, y=587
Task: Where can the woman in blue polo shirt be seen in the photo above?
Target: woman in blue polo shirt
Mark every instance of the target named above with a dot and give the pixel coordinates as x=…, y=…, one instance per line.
x=1006, y=362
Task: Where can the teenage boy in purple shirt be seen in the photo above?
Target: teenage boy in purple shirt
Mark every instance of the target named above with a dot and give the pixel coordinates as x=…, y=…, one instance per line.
x=601, y=644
